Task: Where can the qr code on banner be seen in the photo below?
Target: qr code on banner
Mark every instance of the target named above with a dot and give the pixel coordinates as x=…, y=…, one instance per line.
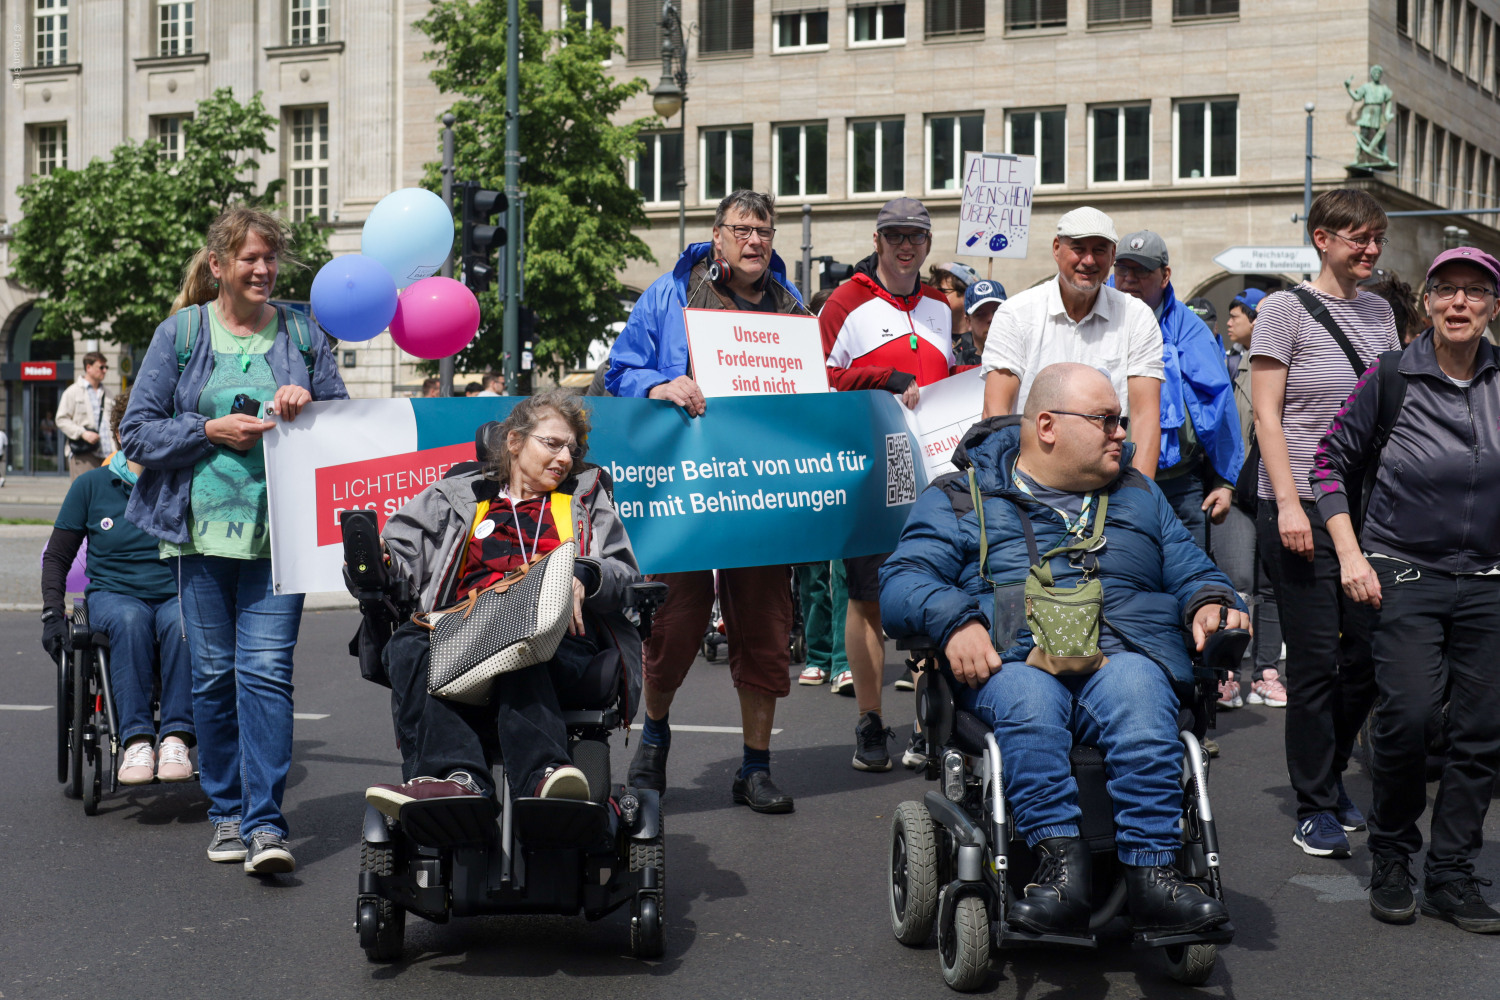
x=900, y=478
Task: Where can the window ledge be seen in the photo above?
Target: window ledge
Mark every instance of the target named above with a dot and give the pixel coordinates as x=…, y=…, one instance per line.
x=1121, y=26
x=321, y=49
x=882, y=44
x=797, y=50
x=1019, y=33
x=731, y=54
x=1190, y=19
x=976, y=35
x=34, y=72
x=168, y=62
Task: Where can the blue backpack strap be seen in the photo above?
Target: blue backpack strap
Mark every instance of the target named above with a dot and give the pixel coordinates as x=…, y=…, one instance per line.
x=189, y=320
x=295, y=325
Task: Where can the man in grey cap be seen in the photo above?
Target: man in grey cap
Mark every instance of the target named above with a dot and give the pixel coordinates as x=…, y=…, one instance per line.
x=1078, y=318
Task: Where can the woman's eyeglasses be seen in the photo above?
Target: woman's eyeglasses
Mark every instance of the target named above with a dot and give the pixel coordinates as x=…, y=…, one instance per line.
x=553, y=445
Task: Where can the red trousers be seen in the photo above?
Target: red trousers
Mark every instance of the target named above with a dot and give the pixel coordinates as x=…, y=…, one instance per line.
x=757, y=606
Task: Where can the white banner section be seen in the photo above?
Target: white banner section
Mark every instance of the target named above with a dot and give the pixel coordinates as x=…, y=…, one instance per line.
x=994, y=219
x=945, y=412
x=737, y=353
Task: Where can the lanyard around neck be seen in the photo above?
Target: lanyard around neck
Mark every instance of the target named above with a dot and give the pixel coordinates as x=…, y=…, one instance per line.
x=1071, y=526
x=521, y=532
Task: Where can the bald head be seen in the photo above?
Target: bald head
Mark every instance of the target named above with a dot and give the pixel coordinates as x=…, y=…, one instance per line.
x=1060, y=446
x=1058, y=386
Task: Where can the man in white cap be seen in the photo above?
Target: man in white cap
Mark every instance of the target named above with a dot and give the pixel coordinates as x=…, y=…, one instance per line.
x=1078, y=318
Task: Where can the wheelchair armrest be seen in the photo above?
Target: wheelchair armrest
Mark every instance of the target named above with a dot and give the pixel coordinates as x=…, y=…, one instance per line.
x=1223, y=651
x=80, y=634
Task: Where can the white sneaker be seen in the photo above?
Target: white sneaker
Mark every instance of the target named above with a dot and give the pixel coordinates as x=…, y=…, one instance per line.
x=564, y=782
x=138, y=764
x=172, y=763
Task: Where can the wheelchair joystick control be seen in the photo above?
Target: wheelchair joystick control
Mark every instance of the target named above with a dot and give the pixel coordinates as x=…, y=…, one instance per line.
x=630, y=810
x=953, y=776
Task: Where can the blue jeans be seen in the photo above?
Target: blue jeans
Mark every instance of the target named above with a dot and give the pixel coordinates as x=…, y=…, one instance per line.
x=1185, y=494
x=139, y=632
x=1128, y=710
x=242, y=635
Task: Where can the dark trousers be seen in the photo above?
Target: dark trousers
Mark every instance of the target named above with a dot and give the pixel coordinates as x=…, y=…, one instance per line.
x=1330, y=678
x=1185, y=494
x=1434, y=630
x=521, y=725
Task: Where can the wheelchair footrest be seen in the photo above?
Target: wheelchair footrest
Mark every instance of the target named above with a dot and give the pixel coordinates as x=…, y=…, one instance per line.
x=1014, y=937
x=459, y=821
x=561, y=824
x=1222, y=934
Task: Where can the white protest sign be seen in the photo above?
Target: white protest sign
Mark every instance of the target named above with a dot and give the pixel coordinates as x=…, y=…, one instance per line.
x=738, y=353
x=945, y=411
x=995, y=217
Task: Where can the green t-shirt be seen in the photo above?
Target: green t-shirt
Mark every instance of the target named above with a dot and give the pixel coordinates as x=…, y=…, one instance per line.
x=227, y=505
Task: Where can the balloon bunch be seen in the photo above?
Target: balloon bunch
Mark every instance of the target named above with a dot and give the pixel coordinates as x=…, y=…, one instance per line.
x=390, y=282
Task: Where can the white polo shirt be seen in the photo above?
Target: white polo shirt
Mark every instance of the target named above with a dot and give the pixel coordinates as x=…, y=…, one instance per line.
x=1032, y=330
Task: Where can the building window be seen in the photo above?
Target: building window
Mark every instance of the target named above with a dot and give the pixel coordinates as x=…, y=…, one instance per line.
x=1403, y=16
x=1418, y=153
x=1435, y=176
x=643, y=30
x=1103, y=12
x=877, y=24
x=1401, y=146
x=724, y=160
x=174, y=28
x=725, y=26
x=167, y=130
x=877, y=156
x=1042, y=134
x=1185, y=9
x=50, y=147
x=949, y=137
x=1472, y=43
x=658, y=167
x=947, y=18
x=1120, y=143
x=309, y=163
x=1482, y=179
x=801, y=160
x=1207, y=139
x=1023, y=15
x=1482, y=52
x=591, y=12
x=797, y=28
x=50, y=39
x=308, y=22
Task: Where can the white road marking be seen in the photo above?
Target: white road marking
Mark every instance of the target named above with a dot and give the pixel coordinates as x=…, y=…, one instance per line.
x=309, y=715
x=711, y=729
x=25, y=708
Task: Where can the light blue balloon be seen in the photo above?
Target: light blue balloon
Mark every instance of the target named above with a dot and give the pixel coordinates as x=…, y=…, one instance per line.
x=353, y=297
x=410, y=232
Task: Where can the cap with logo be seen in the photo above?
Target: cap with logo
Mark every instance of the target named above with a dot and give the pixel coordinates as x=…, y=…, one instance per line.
x=965, y=274
x=981, y=292
x=1144, y=248
x=903, y=212
x=1469, y=255
x=1084, y=222
x=1203, y=309
x=1248, y=300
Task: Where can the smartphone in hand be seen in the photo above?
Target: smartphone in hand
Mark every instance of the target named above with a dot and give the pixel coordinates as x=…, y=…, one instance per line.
x=249, y=406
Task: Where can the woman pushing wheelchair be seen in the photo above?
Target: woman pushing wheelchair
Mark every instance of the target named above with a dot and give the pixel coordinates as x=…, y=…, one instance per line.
x=460, y=538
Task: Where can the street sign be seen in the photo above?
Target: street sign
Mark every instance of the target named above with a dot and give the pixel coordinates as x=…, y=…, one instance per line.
x=1270, y=260
x=38, y=371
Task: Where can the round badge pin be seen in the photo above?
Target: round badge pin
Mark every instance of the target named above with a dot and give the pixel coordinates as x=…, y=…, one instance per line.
x=485, y=529
x=106, y=523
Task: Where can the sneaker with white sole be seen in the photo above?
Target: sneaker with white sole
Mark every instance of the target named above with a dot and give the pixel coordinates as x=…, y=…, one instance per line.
x=268, y=854
x=842, y=683
x=138, y=763
x=906, y=682
x=1270, y=690
x=1321, y=836
x=915, y=754
x=172, y=763
x=1229, y=694
x=812, y=676
x=565, y=782
x=226, y=844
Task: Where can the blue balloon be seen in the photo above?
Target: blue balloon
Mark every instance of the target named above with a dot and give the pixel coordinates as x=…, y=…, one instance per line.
x=410, y=232
x=353, y=297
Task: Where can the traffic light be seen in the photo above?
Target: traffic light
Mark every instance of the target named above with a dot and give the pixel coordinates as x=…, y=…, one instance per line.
x=481, y=236
x=833, y=273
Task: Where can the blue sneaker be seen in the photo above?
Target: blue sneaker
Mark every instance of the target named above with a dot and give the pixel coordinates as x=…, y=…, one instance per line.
x=1346, y=812
x=1321, y=836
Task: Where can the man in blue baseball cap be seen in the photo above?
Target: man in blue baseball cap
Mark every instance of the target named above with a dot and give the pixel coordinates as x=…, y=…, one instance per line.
x=981, y=299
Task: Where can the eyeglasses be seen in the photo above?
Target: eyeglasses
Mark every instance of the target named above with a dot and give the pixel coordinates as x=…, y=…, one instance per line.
x=1443, y=291
x=912, y=239
x=1108, y=422
x=553, y=445
x=742, y=233
x=1378, y=241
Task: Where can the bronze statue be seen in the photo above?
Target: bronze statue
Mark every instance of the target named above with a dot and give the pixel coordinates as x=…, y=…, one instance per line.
x=1375, y=115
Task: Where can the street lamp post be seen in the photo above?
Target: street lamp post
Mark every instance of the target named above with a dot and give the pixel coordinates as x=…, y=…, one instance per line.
x=1307, y=174
x=670, y=96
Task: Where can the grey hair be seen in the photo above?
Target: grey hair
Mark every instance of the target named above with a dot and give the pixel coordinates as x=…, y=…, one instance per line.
x=523, y=420
x=755, y=203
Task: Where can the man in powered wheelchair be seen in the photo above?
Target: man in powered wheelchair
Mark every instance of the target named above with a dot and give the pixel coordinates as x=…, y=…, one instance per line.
x=1054, y=704
x=550, y=833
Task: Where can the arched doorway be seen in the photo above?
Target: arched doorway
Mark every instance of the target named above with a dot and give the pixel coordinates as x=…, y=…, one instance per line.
x=1223, y=287
x=36, y=371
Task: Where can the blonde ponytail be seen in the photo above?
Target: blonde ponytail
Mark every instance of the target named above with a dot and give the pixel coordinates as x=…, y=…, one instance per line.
x=198, y=284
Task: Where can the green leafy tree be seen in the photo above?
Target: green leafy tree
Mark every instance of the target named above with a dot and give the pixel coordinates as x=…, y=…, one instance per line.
x=106, y=245
x=580, y=207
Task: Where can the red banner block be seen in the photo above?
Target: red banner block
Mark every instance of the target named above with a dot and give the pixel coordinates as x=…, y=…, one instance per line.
x=379, y=484
x=38, y=371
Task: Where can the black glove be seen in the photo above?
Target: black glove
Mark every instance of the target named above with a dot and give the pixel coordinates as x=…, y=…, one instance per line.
x=54, y=626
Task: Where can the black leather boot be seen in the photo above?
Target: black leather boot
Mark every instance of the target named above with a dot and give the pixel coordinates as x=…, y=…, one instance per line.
x=1161, y=901
x=1057, y=900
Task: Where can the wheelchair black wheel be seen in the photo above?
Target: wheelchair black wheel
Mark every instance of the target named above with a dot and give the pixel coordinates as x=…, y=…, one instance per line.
x=964, y=947
x=914, y=874
x=1191, y=964
x=64, y=714
x=382, y=923
x=652, y=854
x=647, y=939
x=710, y=650
x=74, y=789
x=799, y=648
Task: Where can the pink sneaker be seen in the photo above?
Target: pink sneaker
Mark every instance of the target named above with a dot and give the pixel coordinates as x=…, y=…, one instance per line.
x=172, y=763
x=138, y=763
x=1269, y=690
x=1229, y=694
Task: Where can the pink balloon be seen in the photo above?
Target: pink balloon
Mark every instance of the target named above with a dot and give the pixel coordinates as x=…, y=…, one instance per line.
x=435, y=318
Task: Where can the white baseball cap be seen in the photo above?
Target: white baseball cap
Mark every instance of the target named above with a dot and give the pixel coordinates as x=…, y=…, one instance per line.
x=1086, y=221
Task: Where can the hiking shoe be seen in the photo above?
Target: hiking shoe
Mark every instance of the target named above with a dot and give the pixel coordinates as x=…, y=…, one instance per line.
x=1346, y=812
x=906, y=682
x=226, y=844
x=1229, y=694
x=172, y=763
x=1269, y=690
x=138, y=763
x=1391, y=899
x=842, y=683
x=268, y=854
x=870, y=738
x=915, y=755
x=812, y=676
x=1321, y=836
x=1460, y=903
x=566, y=782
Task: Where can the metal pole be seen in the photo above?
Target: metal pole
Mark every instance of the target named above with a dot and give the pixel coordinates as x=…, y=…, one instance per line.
x=807, y=247
x=510, y=339
x=682, y=184
x=445, y=366
x=1307, y=176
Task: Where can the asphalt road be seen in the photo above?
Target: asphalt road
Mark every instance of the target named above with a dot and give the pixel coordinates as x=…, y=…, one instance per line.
x=125, y=905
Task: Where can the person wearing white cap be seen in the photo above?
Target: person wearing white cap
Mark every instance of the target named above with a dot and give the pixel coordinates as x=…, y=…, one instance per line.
x=1078, y=318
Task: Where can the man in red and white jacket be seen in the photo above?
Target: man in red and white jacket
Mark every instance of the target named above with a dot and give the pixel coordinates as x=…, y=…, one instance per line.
x=883, y=329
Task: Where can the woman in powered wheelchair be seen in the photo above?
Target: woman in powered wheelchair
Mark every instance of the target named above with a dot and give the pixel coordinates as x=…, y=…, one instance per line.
x=552, y=835
x=113, y=703
x=1072, y=801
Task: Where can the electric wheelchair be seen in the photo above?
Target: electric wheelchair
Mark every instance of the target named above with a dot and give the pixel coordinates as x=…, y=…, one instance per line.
x=956, y=862
x=472, y=856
